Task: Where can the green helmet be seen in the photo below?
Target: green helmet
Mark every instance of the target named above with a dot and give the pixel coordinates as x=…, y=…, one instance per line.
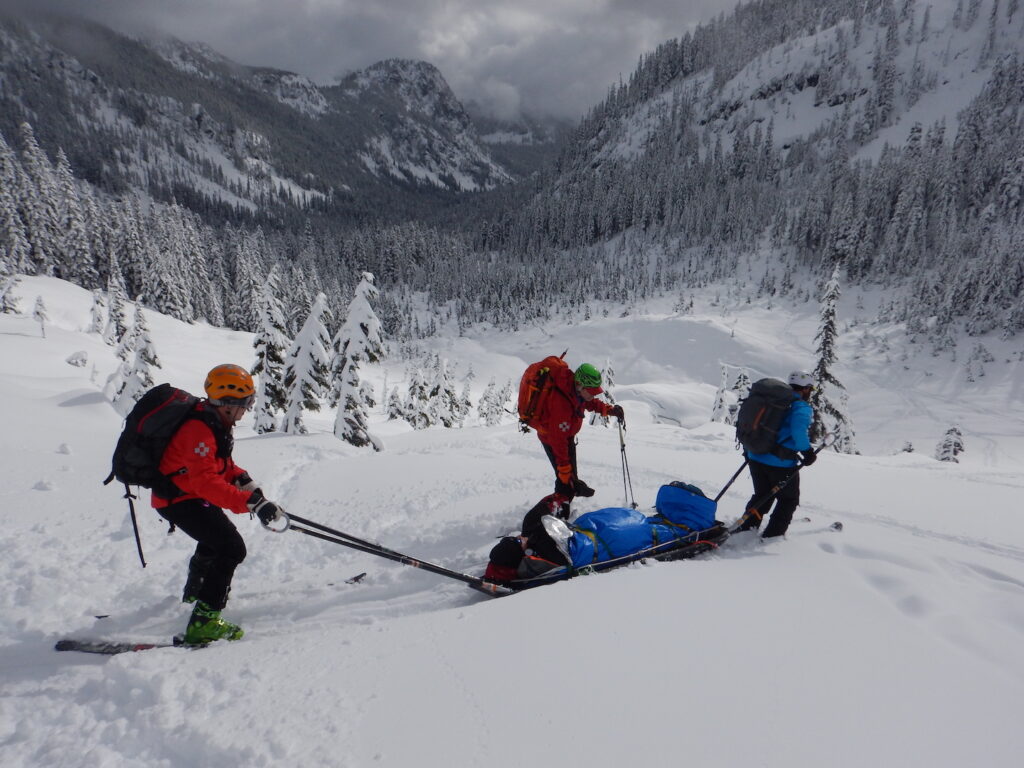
x=588, y=376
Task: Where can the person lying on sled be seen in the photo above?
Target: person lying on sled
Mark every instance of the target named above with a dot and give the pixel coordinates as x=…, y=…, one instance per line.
x=515, y=557
x=547, y=542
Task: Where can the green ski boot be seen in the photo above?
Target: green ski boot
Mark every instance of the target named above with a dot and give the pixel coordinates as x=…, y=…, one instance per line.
x=205, y=626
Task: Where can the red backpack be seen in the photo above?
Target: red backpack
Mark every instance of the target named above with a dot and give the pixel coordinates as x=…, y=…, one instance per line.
x=535, y=388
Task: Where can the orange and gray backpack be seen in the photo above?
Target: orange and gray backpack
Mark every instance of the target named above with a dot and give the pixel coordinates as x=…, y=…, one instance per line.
x=534, y=390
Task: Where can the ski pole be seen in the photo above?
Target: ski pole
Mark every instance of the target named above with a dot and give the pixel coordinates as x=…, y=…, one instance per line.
x=626, y=479
x=732, y=480
x=316, y=530
x=338, y=534
x=135, y=523
x=754, y=510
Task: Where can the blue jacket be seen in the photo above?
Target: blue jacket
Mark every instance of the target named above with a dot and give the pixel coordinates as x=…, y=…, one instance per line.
x=793, y=434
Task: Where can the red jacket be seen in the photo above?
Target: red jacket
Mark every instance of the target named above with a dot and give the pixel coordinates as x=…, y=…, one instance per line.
x=194, y=449
x=563, y=414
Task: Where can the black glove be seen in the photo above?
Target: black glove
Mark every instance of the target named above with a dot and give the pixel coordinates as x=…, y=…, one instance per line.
x=244, y=482
x=566, y=491
x=809, y=457
x=266, y=510
x=618, y=413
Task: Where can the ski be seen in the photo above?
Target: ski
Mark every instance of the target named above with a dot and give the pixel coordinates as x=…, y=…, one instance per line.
x=114, y=647
x=836, y=526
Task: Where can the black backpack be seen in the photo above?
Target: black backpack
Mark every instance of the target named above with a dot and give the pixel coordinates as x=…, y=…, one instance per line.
x=147, y=430
x=760, y=415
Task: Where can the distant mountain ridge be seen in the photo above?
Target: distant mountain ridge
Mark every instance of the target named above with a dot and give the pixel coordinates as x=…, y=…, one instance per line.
x=181, y=121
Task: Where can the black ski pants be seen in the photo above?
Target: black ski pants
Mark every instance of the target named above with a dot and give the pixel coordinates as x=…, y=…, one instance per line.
x=219, y=548
x=765, y=477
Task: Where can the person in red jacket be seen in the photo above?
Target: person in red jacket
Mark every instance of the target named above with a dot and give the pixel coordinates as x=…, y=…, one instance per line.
x=198, y=462
x=572, y=394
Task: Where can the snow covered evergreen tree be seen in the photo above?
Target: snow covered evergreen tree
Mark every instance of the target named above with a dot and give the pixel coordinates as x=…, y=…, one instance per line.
x=307, y=369
x=75, y=260
x=444, y=400
x=14, y=245
x=504, y=396
x=358, y=340
x=395, y=408
x=740, y=389
x=828, y=399
x=245, y=259
x=37, y=204
x=271, y=344
x=720, y=409
x=134, y=376
x=350, y=423
x=39, y=315
x=369, y=396
x=116, y=326
x=8, y=299
x=490, y=408
x=465, y=402
x=951, y=445
x=97, y=313
x=418, y=411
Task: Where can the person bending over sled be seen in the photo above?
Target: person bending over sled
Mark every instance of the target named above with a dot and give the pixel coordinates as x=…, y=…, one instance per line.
x=565, y=396
x=199, y=465
x=769, y=469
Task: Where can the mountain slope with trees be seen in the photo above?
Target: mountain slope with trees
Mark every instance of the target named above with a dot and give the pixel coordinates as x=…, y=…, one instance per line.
x=882, y=136
x=751, y=157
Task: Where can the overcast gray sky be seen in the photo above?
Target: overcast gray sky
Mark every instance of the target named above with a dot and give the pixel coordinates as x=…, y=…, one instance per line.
x=545, y=56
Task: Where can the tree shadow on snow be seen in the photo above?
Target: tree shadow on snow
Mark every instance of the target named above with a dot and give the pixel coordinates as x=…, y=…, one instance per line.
x=87, y=398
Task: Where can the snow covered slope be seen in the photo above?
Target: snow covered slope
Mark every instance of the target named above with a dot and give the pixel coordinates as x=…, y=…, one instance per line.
x=894, y=642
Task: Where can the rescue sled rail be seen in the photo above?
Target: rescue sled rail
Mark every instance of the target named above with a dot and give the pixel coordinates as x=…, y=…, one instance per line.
x=694, y=544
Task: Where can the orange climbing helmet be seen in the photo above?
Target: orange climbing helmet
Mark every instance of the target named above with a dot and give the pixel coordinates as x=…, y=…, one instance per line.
x=229, y=384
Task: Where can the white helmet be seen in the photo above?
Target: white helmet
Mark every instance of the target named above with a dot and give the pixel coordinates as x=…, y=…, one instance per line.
x=801, y=379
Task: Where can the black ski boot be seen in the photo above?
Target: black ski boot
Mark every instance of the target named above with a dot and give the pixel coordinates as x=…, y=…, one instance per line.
x=582, y=489
x=197, y=569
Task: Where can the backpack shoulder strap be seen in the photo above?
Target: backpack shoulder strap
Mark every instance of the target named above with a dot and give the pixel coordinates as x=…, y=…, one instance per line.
x=225, y=442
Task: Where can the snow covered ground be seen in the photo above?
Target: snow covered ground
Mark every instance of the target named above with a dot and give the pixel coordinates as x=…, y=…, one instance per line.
x=895, y=642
